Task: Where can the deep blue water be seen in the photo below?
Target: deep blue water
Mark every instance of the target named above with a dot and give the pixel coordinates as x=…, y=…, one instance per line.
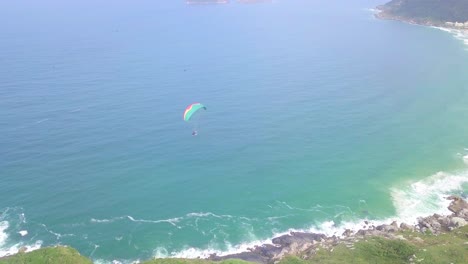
x=318, y=116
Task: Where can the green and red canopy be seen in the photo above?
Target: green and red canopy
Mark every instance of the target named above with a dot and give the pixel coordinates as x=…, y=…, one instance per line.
x=192, y=109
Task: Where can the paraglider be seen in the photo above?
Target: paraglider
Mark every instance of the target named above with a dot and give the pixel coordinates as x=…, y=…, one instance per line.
x=192, y=114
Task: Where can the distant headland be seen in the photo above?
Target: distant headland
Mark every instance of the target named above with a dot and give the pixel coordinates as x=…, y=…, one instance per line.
x=195, y=2
x=448, y=14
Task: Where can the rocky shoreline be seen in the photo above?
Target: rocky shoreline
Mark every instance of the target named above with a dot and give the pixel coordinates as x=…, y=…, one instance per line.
x=306, y=245
x=383, y=12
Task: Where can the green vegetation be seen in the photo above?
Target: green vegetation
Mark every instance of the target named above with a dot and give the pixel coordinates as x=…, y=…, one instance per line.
x=55, y=255
x=432, y=10
x=415, y=248
x=193, y=261
x=411, y=247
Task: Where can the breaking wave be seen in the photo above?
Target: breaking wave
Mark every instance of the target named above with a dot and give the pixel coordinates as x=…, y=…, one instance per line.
x=410, y=199
x=457, y=33
x=415, y=199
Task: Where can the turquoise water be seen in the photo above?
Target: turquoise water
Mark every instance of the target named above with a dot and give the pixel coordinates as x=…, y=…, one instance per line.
x=318, y=116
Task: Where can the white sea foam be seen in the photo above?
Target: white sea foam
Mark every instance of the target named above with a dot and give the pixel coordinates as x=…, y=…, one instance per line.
x=328, y=228
x=22, y=218
x=419, y=198
x=3, y=234
x=6, y=246
x=427, y=196
x=7, y=251
x=208, y=214
x=160, y=252
x=57, y=235
x=93, y=220
x=42, y=120
x=172, y=221
x=457, y=33
x=102, y=261
x=373, y=10
x=191, y=252
x=465, y=159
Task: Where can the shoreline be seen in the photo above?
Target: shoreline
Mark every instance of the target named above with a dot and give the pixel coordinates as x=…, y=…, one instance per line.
x=310, y=245
x=413, y=201
x=460, y=32
x=307, y=244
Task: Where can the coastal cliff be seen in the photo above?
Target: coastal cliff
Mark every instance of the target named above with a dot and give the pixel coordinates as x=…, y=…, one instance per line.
x=401, y=239
x=433, y=239
x=448, y=13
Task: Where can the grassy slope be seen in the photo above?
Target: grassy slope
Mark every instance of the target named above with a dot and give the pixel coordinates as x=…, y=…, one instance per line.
x=55, y=255
x=193, y=261
x=422, y=248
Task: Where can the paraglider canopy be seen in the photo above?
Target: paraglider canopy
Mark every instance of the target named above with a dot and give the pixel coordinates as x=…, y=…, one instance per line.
x=192, y=109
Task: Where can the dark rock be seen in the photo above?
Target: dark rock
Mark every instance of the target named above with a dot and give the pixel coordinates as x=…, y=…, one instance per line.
x=387, y=228
x=362, y=232
x=269, y=251
x=457, y=204
x=305, y=245
x=369, y=232
x=297, y=237
x=463, y=213
x=444, y=222
x=405, y=226
x=347, y=233
x=432, y=223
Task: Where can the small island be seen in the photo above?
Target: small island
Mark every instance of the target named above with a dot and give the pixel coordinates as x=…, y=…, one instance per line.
x=451, y=14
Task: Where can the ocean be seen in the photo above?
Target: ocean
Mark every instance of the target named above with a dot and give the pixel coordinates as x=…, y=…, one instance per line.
x=318, y=117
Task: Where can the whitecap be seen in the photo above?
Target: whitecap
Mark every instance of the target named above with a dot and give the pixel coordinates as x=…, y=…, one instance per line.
x=42, y=120
x=23, y=232
x=94, y=220
x=457, y=33
x=171, y=221
x=427, y=196
x=22, y=218
x=419, y=198
x=3, y=235
x=8, y=251
x=192, y=252
x=203, y=214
